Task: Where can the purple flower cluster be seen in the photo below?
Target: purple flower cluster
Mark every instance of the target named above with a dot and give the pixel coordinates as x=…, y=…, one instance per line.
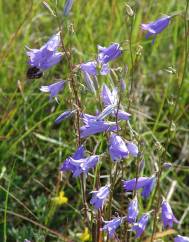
x=47, y=56
x=119, y=148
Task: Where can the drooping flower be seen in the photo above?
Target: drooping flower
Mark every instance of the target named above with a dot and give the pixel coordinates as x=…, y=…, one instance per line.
x=167, y=165
x=156, y=27
x=47, y=56
x=89, y=67
x=64, y=115
x=132, y=210
x=67, y=7
x=117, y=148
x=180, y=238
x=53, y=89
x=133, y=149
x=167, y=216
x=106, y=54
x=140, y=226
x=79, y=154
x=109, y=97
x=94, y=126
x=146, y=183
x=107, y=111
x=100, y=197
x=148, y=187
x=121, y=115
x=89, y=83
x=83, y=165
x=111, y=226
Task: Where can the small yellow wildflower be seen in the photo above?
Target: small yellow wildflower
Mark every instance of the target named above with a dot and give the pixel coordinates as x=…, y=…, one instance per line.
x=85, y=236
x=60, y=199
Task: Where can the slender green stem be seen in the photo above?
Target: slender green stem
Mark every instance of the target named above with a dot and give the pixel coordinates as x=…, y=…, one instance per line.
x=6, y=204
x=169, y=127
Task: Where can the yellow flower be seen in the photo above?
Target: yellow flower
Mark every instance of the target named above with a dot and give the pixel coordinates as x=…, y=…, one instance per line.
x=60, y=199
x=85, y=236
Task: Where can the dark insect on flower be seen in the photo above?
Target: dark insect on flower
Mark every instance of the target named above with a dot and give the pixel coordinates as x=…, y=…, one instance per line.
x=34, y=73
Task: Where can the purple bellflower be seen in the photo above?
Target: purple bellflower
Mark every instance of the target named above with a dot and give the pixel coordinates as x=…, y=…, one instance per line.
x=89, y=82
x=83, y=165
x=100, y=197
x=67, y=7
x=47, y=56
x=147, y=189
x=167, y=215
x=64, y=115
x=111, y=226
x=156, y=27
x=106, y=54
x=140, y=226
x=117, y=148
x=94, y=126
x=89, y=67
x=133, y=149
x=121, y=115
x=132, y=210
x=79, y=154
x=146, y=183
x=180, y=238
x=108, y=97
x=111, y=98
x=53, y=89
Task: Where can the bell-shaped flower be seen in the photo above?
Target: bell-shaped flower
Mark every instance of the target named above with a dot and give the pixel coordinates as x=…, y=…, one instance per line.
x=117, y=148
x=167, y=216
x=99, y=197
x=133, y=211
x=79, y=154
x=157, y=26
x=106, y=54
x=111, y=226
x=64, y=115
x=47, y=55
x=106, y=112
x=89, y=67
x=133, y=149
x=67, y=7
x=140, y=226
x=180, y=238
x=94, y=126
x=146, y=183
x=121, y=115
x=83, y=165
x=109, y=97
x=148, y=187
x=53, y=89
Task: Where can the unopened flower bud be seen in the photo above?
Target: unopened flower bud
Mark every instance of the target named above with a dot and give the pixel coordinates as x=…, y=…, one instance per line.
x=129, y=10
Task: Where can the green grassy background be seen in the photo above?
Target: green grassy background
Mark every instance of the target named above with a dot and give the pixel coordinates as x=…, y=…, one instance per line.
x=32, y=148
